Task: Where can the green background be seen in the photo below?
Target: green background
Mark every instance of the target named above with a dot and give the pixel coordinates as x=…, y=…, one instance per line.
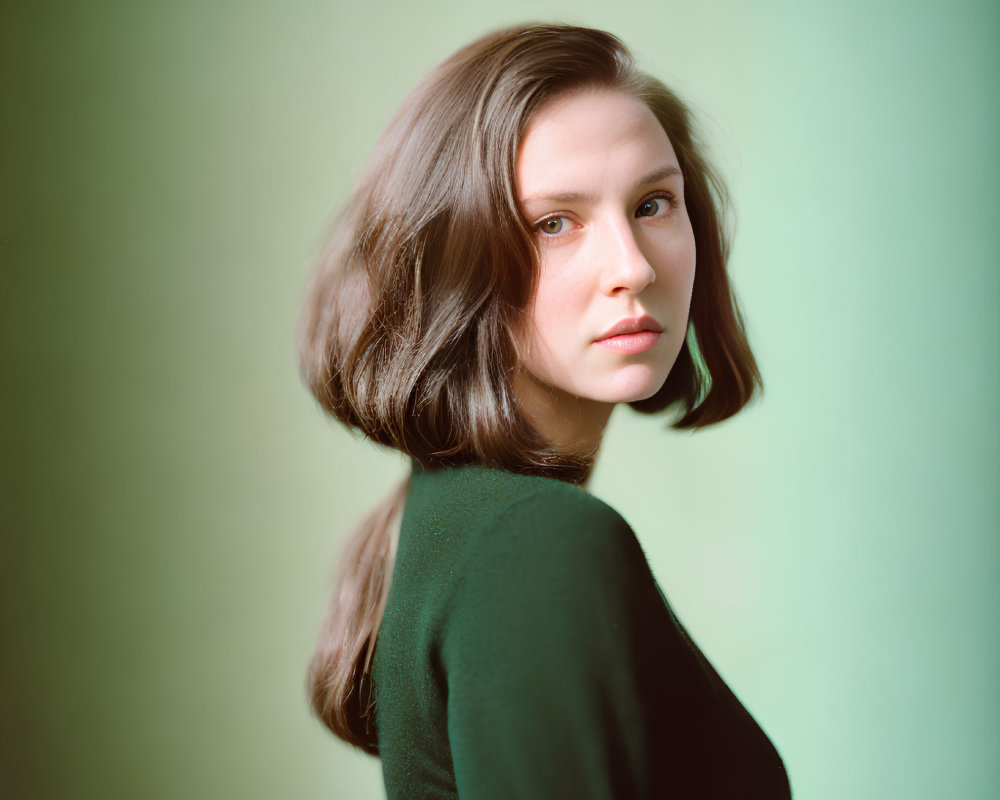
x=173, y=501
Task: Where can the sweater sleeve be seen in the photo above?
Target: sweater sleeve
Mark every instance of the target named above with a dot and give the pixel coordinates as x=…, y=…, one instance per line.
x=565, y=672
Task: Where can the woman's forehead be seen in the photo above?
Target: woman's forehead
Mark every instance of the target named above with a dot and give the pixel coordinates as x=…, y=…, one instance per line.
x=577, y=145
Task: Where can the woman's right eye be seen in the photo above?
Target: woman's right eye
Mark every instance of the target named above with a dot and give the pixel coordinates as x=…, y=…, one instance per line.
x=552, y=225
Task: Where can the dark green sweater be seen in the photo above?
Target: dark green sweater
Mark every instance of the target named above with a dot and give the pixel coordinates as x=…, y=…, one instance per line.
x=527, y=652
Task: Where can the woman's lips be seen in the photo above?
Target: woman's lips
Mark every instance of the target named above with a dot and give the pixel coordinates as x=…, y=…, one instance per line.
x=632, y=336
x=631, y=343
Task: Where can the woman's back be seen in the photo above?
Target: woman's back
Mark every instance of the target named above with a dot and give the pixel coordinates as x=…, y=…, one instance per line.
x=526, y=651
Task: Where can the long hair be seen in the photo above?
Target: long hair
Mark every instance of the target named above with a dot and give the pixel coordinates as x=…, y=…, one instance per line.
x=411, y=317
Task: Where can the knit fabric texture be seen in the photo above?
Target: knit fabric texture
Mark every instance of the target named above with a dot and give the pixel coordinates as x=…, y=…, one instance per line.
x=528, y=652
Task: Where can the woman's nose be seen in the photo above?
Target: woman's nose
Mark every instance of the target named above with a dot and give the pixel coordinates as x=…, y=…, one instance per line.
x=625, y=267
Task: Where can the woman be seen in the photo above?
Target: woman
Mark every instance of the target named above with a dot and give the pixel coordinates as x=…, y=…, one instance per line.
x=536, y=239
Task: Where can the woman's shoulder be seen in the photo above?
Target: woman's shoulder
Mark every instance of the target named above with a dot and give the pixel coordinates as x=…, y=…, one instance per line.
x=537, y=570
x=487, y=498
x=507, y=521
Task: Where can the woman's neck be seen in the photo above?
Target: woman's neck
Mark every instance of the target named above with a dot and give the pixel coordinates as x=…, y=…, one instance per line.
x=569, y=423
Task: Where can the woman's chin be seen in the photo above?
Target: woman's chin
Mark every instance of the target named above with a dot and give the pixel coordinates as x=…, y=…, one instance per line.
x=640, y=385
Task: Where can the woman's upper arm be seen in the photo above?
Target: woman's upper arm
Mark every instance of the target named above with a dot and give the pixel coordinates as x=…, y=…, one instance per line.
x=555, y=658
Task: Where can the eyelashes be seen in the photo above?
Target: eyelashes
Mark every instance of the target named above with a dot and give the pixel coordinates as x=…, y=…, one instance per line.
x=660, y=204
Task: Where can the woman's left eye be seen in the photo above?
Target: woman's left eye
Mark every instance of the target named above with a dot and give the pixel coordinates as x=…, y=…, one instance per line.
x=654, y=207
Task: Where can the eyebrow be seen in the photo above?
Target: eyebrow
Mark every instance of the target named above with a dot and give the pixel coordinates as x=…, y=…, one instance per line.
x=582, y=197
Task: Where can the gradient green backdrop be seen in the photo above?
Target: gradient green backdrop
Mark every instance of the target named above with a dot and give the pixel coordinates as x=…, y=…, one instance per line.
x=173, y=501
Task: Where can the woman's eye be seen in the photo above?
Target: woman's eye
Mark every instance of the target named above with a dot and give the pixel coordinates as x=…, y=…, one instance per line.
x=653, y=207
x=552, y=225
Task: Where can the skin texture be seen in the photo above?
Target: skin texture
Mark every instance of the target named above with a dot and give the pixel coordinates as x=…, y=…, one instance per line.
x=599, y=181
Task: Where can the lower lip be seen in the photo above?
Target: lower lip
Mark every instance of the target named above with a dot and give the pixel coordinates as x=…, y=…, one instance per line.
x=630, y=344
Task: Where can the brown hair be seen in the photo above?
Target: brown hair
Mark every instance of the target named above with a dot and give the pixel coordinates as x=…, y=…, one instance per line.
x=409, y=324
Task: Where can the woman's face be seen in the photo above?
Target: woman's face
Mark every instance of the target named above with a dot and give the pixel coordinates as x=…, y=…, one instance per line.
x=600, y=183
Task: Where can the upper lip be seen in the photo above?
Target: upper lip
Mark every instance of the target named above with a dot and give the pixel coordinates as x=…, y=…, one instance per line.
x=632, y=325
